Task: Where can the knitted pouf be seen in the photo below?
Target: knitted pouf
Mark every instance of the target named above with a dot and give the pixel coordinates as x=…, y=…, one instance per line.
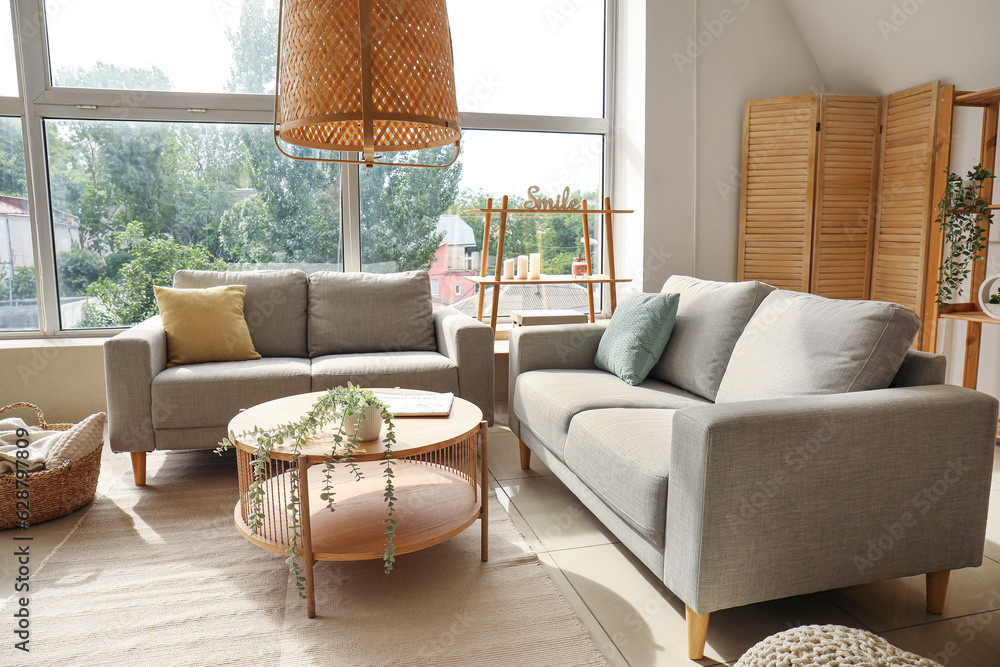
x=831, y=645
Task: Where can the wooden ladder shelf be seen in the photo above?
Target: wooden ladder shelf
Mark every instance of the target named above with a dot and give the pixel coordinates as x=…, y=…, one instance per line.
x=483, y=280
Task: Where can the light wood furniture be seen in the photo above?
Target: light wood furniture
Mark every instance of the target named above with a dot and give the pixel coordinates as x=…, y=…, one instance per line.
x=483, y=280
x=440, y=485
x=836, y=194
x=970, y=312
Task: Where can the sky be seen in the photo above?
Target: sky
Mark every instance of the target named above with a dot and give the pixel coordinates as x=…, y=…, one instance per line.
x=539, y=57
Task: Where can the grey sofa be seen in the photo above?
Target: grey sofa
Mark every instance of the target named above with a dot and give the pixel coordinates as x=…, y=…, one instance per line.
x=313, y=332
x=731, y=498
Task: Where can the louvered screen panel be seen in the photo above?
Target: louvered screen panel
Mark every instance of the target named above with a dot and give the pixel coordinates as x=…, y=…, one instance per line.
x=904, y=203
x=846, y=173
x=776, y=209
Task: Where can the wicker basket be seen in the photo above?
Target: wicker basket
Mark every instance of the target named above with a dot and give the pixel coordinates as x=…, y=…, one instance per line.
x=52, y=493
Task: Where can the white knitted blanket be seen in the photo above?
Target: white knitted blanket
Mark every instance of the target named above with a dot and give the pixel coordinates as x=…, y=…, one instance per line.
x=829, y=646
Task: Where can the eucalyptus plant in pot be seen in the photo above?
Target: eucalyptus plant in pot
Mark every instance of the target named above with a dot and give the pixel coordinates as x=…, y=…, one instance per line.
x=960, y=212
x=356, y=416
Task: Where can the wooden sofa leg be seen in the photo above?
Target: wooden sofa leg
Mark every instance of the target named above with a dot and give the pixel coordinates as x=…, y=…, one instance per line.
x=139, y=468
x=525, y=455
x=697, y=630
x=937, y=590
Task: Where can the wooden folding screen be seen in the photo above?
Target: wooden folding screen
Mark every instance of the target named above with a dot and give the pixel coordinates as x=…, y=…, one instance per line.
x=846, y=187
x=776, y=212
x=904, y=203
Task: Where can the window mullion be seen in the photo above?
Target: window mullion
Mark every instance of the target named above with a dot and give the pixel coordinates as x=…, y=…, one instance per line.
x=33, y=77
x=351, y=213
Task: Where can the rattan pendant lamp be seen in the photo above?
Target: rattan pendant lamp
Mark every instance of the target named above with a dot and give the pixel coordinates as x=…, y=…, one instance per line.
x=368, y=76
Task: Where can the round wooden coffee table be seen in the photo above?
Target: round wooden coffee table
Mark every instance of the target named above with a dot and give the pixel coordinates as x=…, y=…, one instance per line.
x=440, y=485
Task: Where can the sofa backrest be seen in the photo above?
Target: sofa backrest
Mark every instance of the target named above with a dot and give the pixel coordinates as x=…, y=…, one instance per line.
x=710, y=318
x=801, y=344
x=920, y=368
x=370, y=312
x=274, y=306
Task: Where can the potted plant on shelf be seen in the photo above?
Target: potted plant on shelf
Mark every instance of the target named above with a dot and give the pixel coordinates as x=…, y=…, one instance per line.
x=357, y=416
x=960, y=212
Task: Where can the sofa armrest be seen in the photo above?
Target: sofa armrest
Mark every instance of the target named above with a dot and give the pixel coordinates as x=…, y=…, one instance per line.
x=550, y=346
x=768, y=499
x=469, y=343
x=131, y=360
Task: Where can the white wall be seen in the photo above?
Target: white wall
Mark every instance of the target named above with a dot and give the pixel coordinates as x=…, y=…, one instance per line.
x=65, y=378
x=703, y=59
x=875, y=47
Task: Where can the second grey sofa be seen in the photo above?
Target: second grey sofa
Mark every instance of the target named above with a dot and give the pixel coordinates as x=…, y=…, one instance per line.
x=748, y=466
x=313, y=332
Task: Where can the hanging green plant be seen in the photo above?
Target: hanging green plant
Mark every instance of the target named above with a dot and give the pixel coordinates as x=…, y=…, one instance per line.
x=346, y=407
x=960, y=212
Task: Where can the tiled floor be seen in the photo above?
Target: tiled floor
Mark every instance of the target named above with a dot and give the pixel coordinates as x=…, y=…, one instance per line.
x=635, y=621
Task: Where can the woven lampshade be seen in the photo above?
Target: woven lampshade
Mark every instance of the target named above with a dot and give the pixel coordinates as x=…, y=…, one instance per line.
x=366, y=76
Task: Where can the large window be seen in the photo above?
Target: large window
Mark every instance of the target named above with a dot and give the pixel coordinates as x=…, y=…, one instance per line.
x=151, y=125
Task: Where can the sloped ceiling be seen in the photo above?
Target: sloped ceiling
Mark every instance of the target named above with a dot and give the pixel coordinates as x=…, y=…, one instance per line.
x=880, y=46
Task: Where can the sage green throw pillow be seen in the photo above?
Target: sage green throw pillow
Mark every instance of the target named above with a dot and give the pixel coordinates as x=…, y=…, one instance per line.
x=636, y=336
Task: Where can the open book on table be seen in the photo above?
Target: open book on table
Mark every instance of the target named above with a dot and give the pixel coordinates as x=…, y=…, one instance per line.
x=417, y=405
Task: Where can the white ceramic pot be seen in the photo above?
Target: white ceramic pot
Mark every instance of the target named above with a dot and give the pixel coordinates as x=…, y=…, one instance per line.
x=368, y=426
x=990, y=286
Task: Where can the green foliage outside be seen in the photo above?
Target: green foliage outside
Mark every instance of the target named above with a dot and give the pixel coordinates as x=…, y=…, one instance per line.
x=78, y=268
x=21, y=287
x=130, y=298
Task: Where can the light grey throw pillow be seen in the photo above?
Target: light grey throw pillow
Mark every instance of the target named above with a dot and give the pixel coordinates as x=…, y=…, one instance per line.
x=802, y=344
x=710, y=318
x=370, y=312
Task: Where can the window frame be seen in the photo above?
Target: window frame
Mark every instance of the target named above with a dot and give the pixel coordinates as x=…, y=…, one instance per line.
x=40, y=100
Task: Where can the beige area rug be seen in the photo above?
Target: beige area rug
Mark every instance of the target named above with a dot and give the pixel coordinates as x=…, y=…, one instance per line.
x=159, y=576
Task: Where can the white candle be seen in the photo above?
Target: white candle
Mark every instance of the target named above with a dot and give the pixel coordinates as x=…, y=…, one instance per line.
x=522, y=267
x=508, y=269
x=535, y=269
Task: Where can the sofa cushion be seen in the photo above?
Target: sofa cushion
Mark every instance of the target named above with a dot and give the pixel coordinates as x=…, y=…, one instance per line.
x=547, y=400
x=412, y=370
x=370, y=312
x=710, y=319
x=204, y=324
x=212, y=394
x=800, y=344
x=623, y=456
x=636, y=336
x=274, y=306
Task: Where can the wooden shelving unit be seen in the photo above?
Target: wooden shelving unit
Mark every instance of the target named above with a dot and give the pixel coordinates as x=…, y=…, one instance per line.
x=970, y=312
x=483, y=280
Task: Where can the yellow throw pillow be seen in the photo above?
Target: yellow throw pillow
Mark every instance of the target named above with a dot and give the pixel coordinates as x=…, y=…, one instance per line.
x=205, y=324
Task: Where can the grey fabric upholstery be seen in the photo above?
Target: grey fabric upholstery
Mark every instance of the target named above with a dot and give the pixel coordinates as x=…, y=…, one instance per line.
x=413, y=370
x=151, y=407
x=920, y=368
x=274, y=306
x=623, y=455
x=710, y=318
x=801, y=344
x=211, y=394
x=370, y=312
x=650, y=555
x=131, y=360
x=549, y=399
x=549, y=346
x=469, y=345
x=782, y=497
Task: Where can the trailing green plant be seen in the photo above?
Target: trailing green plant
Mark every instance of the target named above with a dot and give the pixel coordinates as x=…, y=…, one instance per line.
x=343, y=407
x=960, y=213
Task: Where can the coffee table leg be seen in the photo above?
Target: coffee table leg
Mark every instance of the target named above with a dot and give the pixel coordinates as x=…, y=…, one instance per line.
x=306, y=522
x=484, y=493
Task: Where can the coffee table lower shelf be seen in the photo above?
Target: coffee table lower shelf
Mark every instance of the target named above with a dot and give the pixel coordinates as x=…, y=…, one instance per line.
x=434, y=503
